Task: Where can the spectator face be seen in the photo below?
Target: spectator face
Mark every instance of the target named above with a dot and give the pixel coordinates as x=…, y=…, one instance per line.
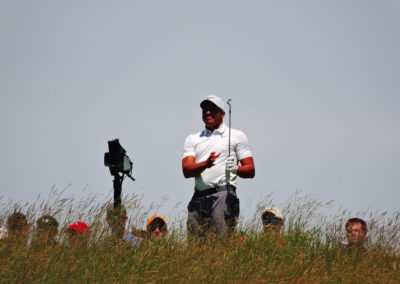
x=272, y=223
x=49, y=234
x=355, y=233
x=157, y=234
x=156, y=229
x=78, y=234
x=47, y=227
x=17, y=225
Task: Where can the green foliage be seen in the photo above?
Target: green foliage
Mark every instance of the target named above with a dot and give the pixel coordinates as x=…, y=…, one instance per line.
x=302, y=253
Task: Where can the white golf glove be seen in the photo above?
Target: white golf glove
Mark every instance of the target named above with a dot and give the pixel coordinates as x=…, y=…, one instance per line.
x=231, y=165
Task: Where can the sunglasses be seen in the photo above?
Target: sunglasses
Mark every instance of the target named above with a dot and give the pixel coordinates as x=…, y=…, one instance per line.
x=157, y=224
x=270, y=221
x=154, y=227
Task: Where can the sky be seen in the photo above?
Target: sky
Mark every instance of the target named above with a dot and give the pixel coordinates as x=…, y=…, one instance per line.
x=314, y=85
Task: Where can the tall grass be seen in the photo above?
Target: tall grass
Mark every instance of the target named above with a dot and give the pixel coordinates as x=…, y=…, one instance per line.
x=308, y=251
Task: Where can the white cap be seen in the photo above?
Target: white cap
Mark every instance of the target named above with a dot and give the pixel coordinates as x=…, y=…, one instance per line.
x=215, y=100
x=275, y=211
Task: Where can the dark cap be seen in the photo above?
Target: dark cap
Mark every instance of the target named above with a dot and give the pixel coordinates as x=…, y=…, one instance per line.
x=47, y=222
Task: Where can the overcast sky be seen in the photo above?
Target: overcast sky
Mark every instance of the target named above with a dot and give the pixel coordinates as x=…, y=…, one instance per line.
x=314, y=85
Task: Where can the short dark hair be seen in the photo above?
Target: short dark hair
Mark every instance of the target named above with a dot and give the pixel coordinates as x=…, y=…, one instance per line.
x=357, y=220
x=16, y=221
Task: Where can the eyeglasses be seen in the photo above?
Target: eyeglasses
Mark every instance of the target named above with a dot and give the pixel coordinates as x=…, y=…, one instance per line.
x=153, y=228
x=270, y=221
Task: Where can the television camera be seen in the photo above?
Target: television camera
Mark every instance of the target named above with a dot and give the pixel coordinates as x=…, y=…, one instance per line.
x=120, y=165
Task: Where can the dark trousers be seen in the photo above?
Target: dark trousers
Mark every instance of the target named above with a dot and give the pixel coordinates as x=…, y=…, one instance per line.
x=212, y=211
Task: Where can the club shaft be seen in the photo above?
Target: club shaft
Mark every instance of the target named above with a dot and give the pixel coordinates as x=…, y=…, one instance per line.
x=229, y=144
x=229, y=138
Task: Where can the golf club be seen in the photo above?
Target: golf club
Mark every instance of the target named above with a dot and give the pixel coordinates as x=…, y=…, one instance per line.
x=229, y=144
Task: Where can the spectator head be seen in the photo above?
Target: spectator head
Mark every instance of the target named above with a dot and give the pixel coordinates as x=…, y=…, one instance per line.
x=17, y=224
x=356, y=231
x=116, y=219
x=157, y=227
x=78, y=227
x=47, y=225
x=272, y=219
x=78, y=233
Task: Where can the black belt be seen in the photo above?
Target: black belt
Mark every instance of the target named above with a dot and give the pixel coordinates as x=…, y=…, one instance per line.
x=209, y=191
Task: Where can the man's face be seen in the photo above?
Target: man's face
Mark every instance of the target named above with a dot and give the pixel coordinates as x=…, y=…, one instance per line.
x=272, y=223
x=355, y=233
x=48, y=233
x=157, y=234
x=212, y=115
x=156, y=229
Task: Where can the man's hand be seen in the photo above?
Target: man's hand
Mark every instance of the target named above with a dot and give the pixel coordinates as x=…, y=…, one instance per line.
x=211, y=159
x=192, y=169
x=231, y=165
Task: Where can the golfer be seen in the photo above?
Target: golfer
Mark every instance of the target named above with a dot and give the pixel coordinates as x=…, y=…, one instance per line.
x=206, y=158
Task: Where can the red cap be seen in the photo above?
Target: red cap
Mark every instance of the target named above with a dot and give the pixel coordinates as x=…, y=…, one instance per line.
x=78, y=226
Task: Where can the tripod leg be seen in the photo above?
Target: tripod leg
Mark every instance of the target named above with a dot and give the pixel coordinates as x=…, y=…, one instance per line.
x=117, y=190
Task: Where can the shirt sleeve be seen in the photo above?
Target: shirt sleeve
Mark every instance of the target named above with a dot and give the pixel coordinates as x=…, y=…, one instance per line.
x=242, y=146
x=188, y=147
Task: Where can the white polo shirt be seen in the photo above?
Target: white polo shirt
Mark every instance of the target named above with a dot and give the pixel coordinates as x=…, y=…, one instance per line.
x=201, y=144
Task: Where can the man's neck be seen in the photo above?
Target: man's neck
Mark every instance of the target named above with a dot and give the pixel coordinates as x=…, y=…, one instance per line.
x=357, y=245
x=213, y=128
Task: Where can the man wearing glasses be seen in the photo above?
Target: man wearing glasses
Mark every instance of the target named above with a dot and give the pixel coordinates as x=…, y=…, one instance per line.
x=272, y=219
x=157, y=227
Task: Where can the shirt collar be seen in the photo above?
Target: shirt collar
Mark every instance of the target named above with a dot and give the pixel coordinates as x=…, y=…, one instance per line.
x=221, y=129
x=208, y=133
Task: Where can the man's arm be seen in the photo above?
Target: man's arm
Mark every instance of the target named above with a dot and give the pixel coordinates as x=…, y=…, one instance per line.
x=192, y=169
x=246, y=168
